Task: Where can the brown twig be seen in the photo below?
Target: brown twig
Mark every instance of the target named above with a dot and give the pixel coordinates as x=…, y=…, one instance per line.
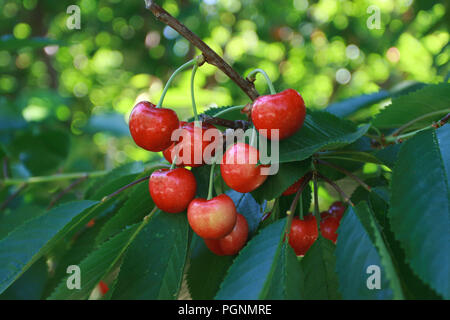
x=12, y=196
x=236, y=124
x=65, y=191
x=346, y=172
x=337, y=188
x=210, y=55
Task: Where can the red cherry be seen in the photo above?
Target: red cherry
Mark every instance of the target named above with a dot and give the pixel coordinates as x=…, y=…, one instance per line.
x=293, y=188
x=237, y=171
x=284, y=111
x=194, y=139
x=172, y=190
x=303, y=234
x=214, y=218
x=233, y=242
x=324, y=215
x=103, y=287
x=150, y=127
x=337, y=209
x=328, y=227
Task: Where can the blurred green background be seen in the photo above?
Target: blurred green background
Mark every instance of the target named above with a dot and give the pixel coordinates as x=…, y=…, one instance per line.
x=65, y=95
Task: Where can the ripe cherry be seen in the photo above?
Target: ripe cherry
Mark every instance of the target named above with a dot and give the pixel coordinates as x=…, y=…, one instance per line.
x=214, y=218
x=233, y=242
x=284, y=111
x=337, y=209
x=328, y=227
x=194, y=141
x=293, y=188
x=151, y=127
x=303, y=233
x=172, y=190
x=237, y=171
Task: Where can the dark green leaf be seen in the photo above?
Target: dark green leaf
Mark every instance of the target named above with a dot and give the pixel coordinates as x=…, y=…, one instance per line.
x=321, y=280
x=96, y=265
x=349, y=106
x=27, y=243
x=287, y=175
x=421, y=175
x=206, y=270
x=248, y=207
x=320, y=131
x=245, y=278
x=432, y=99
x=355, y=253
x=153, y=265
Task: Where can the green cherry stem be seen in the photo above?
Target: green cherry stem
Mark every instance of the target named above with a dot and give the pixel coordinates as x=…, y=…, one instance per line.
x=173, y=162
x=228, y=110
x=181, y=68
x=211, y=178
x=252, y=76
x=194, y=106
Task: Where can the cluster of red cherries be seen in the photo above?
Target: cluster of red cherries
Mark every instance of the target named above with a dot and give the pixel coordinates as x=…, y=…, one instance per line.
x=304, y=232
x=216, y=220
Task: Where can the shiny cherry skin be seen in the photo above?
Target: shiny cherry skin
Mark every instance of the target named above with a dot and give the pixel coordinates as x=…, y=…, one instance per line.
x=233, y=242
x=328, y=228
x=337, y=209
x=151, y=127
x=284, y=111
x=214, y=218
x=172, y=190
x=237, y=171
x=293, y=188
x=303, y=234
x=193, y=139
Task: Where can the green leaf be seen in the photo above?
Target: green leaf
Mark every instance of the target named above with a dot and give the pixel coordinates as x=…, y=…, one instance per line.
x=349, y=106
x=206, y=270
x=355, y=253
x=287, y=175
x=27, y=243
x=248, y=207
x=355, y=156
x=201, y=175
x=137, y=206
x=320, y=131
x=422, y=174
x=153, y=265
x=12, y=219
x=388, y=155
x=321, y=280
x=288, y=277
x=432, y=99
x=107, y=184
x=9, y=42
x=249, y=280
x=96, y=265
x=30, y=285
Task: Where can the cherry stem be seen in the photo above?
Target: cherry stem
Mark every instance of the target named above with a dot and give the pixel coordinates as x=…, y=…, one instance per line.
x=211, y=178
x=166, y=87
x=316, y=200
x=346, y=172
x=252, y=77
x=106, y=198
x=194, y=106
x=291, y=211
x=337, y=188
x=228, y=109
x=236, y=124
x=253, y=138
x=173, y=162
x=410, y=123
